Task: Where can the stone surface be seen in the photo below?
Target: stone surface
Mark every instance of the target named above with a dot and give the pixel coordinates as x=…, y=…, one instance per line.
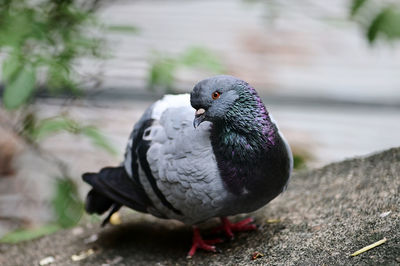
x=324, y=216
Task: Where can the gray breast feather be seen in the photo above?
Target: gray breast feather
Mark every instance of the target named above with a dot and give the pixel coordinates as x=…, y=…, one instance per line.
x=183, y=163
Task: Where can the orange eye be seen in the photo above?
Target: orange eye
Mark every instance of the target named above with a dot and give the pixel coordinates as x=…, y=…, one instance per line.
x=215, y=95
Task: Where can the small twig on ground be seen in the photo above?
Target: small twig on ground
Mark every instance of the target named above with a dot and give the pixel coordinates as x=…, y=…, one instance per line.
x=364, y=249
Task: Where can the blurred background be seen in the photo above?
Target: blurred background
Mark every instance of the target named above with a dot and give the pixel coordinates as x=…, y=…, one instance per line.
x=76, y=76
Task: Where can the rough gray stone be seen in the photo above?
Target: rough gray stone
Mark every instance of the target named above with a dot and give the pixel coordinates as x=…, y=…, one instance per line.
x=325, y=215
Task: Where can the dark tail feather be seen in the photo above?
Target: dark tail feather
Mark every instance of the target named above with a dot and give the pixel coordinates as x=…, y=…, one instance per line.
x=97, y=203
x=112, y=188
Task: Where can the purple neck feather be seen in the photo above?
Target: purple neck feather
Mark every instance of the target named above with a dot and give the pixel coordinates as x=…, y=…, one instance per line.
x=241, y=141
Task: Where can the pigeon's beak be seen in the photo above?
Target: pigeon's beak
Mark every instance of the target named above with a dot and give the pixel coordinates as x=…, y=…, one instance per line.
x=199, y=117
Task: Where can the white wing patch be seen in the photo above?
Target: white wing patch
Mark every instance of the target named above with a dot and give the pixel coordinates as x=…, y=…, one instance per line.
x=180, y=100
x=128, y=157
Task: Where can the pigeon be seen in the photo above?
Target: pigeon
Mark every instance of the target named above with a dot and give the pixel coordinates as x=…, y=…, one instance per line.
x=215, y=152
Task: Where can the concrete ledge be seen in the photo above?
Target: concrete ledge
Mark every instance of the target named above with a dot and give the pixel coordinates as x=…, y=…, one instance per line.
x=324, y=216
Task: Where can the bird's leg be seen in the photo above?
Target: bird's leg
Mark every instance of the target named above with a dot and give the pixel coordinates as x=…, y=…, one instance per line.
x=229, y=228
x=199, y=242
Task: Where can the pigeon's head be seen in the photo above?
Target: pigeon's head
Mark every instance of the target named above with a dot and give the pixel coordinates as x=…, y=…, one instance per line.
x=214, y=97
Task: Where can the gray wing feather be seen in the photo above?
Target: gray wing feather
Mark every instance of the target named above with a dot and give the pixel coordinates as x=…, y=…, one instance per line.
x=183, y=163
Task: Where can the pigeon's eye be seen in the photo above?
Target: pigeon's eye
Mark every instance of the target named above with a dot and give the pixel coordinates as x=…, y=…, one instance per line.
x=215, y=95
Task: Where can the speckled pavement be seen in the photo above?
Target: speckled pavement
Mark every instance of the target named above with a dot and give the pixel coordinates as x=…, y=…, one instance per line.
x=323, y=217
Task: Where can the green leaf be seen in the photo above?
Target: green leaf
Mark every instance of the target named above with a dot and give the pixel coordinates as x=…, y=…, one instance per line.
x=162, y=72
x=387, y=22
x=19, y=89
x=15, y=27
x=66, y=203
x=10, y=67
x=47, y=127
x=59, y=79
x=50, y=126
x=356, y=6
x=123, y=28
x=203, y=58
x=98, y=139
x=299, y=161
x=391, y=24
x=29, y=234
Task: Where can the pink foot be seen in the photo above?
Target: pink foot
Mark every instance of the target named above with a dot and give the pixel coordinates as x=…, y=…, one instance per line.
x=198, y=242
x=229, y=228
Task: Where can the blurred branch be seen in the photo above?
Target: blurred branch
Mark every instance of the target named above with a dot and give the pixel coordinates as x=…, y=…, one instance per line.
x=40, y=42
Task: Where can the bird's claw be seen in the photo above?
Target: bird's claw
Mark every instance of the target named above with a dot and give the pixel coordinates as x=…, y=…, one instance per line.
x=199, y=242
x=229, y=228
